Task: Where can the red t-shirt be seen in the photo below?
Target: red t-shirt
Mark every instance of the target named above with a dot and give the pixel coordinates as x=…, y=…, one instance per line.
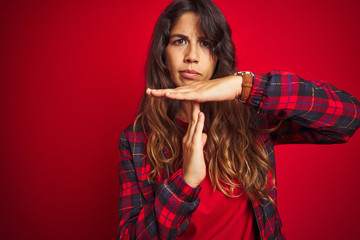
x=221, y=217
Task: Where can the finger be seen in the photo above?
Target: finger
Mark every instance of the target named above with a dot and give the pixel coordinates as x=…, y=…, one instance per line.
x=157, y=92
x=180, y=93
x=185, y=96
x=203, y=139
x=162, y=92
x=195, y=109
x=197, y=137
x=188, y=131
x=186, y=136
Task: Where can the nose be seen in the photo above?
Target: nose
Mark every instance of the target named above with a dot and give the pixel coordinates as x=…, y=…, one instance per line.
x=192, y=54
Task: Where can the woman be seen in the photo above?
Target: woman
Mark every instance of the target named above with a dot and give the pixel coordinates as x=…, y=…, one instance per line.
x=179, y=151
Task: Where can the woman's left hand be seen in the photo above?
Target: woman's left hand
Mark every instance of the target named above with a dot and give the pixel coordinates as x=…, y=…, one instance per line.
x=220, y=89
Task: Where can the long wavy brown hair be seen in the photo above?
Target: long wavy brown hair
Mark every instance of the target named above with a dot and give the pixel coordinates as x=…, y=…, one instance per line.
x=233, y=154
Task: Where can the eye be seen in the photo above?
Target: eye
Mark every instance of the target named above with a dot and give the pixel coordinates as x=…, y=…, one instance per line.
x=179, y=41
x=205, y=44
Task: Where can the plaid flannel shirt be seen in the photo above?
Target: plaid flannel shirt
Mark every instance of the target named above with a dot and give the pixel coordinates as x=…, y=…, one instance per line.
x=311, y=112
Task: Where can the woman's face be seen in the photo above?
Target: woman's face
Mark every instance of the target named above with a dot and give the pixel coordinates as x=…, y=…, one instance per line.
x=188, y=54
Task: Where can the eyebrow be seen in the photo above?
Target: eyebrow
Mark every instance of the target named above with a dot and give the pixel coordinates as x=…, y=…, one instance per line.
x=186, y=37
x=179, y=36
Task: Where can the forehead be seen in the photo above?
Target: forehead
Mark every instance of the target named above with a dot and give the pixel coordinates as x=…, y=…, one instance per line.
x=188, y=24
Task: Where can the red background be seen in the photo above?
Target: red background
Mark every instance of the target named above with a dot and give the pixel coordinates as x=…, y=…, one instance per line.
x=71, y=75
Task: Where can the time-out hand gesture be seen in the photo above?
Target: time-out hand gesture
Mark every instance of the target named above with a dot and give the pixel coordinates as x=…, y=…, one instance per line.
x=194, y=167
x=220, y=89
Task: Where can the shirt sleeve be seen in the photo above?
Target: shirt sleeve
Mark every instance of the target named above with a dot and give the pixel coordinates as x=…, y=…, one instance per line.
x=304, y=111
x=160, y=214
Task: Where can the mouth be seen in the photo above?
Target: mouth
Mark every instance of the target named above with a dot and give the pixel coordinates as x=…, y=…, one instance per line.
x=190, y=74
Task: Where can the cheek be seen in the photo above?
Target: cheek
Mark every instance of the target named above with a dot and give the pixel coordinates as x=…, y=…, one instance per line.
x=169, y=58
x=214, y=59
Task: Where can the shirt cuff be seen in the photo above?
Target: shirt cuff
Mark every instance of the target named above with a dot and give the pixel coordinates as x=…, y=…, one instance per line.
x=258, y=90
x=181, y=189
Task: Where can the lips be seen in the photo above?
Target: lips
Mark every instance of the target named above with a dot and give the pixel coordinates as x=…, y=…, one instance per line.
x=188, y=73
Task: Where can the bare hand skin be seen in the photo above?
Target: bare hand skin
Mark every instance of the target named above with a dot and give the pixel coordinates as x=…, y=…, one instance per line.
x=221, y=89
x=194, y=167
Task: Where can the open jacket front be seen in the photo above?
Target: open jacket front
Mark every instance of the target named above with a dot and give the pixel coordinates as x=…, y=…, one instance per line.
x=310, y=111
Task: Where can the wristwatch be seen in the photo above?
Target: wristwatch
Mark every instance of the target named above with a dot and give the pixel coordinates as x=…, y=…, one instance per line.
x=247, y=83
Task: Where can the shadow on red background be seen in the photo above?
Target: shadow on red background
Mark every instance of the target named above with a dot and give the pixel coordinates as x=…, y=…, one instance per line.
x=71, y=75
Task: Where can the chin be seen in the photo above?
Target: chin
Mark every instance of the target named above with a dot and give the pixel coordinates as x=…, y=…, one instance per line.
x=186, y=82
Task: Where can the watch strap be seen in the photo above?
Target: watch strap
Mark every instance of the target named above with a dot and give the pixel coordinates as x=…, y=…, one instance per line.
x=246, y=86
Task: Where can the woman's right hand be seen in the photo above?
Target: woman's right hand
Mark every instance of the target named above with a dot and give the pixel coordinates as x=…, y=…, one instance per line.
x=194, y=167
